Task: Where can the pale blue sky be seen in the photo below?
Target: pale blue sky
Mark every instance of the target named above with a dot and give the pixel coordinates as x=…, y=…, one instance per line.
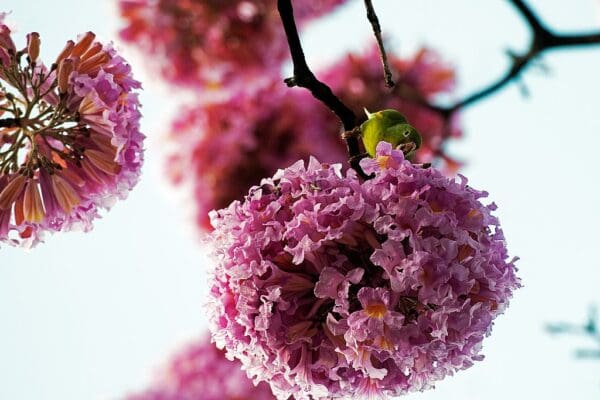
x=88, y=316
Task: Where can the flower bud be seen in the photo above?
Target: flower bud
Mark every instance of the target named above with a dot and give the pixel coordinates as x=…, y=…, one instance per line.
x=83, y=44
x=92, y=51
x=92, y=64
x=65, y=68
x=66, y=52
x=5, y=39
x=4, y=59
x=33, y=46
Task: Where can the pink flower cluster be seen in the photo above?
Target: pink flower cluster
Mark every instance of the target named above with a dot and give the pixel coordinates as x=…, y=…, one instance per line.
x=211, y=42
x=201, y=372
x=222, y=148
x=329, y=287
x=69, y=136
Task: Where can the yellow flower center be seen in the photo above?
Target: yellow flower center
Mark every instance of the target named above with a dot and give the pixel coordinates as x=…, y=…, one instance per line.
x=376, y=310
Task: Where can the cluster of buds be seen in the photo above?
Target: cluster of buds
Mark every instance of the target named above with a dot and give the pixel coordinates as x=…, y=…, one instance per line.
x=69, y=136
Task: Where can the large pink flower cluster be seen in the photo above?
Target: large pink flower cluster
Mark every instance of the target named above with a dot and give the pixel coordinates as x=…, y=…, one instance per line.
x=69, y=136
x=210, y=42
x=329, y=287
x=222, y=148
x=201, y=372
x=357, y=80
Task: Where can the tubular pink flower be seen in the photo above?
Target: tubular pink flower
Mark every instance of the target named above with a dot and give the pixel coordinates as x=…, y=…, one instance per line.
x=327, y=287
x=212, y=43
x=201, y=372
x=69, y=136
x=357, y=80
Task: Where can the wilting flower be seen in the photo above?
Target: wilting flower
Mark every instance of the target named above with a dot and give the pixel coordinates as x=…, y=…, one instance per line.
x=357, y=79
x=211, y=42
x=201, y=372
x=329, y=287
x=69, y=136
x=221, y=149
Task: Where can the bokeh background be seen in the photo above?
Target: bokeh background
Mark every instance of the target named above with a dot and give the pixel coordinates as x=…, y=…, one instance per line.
x=89, y=316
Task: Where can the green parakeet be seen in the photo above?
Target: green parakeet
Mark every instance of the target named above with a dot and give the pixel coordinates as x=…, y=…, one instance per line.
x=389, y=126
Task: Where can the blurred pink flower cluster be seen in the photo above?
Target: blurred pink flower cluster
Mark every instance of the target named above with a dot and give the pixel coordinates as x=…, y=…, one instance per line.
x=420, y=78
x=69, y=136
x=201, y=372
x=212, y=43
x=221, y=148
x=250, y=124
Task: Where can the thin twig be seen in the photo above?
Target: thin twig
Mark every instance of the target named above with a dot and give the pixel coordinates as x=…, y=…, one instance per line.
x=372, y=17
x=304, y=77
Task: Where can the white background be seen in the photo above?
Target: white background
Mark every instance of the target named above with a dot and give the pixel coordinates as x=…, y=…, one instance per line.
x=88, y=316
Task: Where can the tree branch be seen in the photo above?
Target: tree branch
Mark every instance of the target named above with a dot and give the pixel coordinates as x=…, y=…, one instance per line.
x=542, y=40
x=527, y=13
x=304, y=77
x=9, y=123
x=372, y=17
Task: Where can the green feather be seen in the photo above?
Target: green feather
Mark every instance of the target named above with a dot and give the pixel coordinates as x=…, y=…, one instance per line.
x=389, y=126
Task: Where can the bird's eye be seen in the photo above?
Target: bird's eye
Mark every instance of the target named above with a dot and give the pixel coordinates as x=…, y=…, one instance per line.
x=406, y=133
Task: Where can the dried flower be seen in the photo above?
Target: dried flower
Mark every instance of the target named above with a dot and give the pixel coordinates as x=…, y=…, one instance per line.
x=69, y=136
x=212, y=43
x=328, y=287
x=201, y=371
